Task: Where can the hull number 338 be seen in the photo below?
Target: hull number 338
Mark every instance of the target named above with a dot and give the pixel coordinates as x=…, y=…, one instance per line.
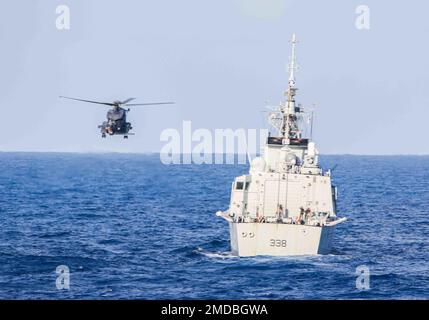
x=278, y=243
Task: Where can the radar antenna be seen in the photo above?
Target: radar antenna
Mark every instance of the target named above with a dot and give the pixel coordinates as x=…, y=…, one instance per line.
x=290, y=129
x=285, y=117
x=293, y=66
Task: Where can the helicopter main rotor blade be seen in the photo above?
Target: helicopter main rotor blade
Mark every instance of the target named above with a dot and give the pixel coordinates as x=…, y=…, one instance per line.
x=89, y=101
x=128, y=100
x=148, y=104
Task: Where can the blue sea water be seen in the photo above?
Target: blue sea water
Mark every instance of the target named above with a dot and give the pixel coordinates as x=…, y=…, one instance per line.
x=129, y=227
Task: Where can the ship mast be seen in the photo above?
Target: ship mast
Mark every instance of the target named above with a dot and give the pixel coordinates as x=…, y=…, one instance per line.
x=289, y=129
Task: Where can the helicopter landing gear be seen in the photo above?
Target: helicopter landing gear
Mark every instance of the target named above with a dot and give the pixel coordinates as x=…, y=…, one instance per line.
x=103, y=135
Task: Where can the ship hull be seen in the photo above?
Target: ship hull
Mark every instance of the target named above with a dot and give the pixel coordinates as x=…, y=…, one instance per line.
x=278, y=239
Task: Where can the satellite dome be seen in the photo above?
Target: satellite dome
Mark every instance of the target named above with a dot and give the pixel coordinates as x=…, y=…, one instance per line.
x=288, y=156
x=258, y=165
x=291, y=158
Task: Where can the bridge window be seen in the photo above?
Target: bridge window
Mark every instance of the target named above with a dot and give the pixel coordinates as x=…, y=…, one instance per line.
x=239, y=185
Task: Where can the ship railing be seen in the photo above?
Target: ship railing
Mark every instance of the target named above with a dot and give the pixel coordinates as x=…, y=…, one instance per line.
x=317, y=220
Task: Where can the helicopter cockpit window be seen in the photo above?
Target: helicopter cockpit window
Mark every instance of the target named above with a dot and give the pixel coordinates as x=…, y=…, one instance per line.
x=115, y=114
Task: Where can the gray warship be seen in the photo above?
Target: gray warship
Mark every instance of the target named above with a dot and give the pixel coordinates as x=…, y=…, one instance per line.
x=286, y=204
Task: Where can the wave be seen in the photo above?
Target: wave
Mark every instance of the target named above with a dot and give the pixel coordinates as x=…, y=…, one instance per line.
x=215, y=255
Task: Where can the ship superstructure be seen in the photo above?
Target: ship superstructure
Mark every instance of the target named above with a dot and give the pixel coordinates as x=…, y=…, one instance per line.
x=286, y=205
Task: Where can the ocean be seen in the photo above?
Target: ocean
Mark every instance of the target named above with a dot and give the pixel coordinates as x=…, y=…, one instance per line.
x=129, y=227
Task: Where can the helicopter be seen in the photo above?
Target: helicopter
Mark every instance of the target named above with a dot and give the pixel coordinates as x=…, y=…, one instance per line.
x=116, y=123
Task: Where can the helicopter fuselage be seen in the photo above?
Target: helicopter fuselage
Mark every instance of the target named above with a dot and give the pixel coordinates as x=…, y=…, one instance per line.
x=116, y=123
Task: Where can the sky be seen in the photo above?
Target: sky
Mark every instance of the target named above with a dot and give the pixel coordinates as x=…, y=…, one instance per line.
x=221, y=61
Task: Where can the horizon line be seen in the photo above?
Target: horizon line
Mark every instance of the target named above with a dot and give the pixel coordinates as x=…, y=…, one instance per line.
x=235, y=154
